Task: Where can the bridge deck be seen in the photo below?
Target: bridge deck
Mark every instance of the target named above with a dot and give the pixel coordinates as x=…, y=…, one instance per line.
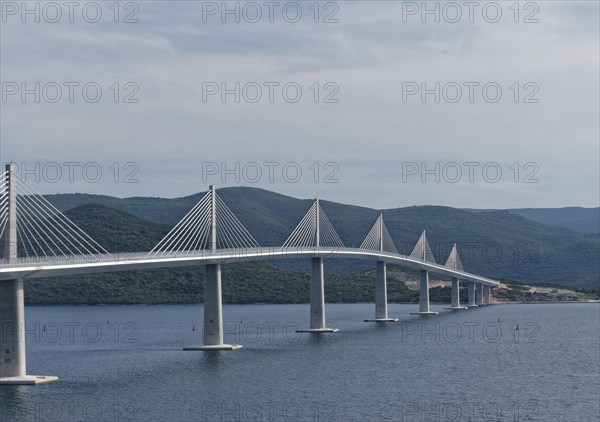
x=82, y=264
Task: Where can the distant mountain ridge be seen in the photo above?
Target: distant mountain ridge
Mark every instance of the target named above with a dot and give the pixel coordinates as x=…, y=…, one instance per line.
x=497, y=244
x=584, y=220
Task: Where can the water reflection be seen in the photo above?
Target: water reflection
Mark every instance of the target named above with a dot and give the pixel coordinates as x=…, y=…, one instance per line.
x=14, y=402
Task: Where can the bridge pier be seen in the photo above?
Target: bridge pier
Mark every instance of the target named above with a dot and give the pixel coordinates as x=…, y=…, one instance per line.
x=13, y=358
x=317, y=300
x=424, y=295
x=455, y=296
x=479, y=294
x=471, y=294
x=381, y=313
x=12, y=319
x=213, y=312
x=487, y=294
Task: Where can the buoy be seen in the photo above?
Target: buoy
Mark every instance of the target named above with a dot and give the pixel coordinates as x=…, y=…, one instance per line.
x=45, y=327
x=193, y=328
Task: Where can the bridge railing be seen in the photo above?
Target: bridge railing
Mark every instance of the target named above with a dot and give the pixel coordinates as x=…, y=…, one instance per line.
x=146, y=256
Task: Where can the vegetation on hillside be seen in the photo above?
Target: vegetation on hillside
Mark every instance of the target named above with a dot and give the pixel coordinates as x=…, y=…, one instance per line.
x=496, y=244
x=565, y=257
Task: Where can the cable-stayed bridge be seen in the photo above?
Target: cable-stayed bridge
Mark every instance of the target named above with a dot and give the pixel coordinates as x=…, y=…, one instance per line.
x=40, y=241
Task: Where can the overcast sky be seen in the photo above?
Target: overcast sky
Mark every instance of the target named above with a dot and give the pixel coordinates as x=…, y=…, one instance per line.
x=369, y=132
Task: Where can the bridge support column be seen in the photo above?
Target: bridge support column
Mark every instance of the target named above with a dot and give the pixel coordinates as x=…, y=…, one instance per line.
x=13, y=362
x=13, y=359
x=471, y=294
x=381, y=313
x=213, y=312
x=424, y=295
x=487, y=295
x=317, y=300
x=12, y=319
x=455, y=296
x=479, y=294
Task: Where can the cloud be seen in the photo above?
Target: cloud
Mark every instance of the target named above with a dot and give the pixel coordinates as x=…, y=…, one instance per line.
x=366, y=57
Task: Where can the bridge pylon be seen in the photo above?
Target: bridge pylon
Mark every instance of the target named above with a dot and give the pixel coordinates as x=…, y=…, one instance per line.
x=379, y=239
x=213, y=297
x=13, y=357
x=423, y=252
x=455, y=263
x=316, y=231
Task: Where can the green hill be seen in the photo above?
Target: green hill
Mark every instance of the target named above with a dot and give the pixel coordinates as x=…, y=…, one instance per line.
x=242, y=283
x=116, y=230
x=497, y=244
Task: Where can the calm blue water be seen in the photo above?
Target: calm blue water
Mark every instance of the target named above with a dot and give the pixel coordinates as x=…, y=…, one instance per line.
x=127, y=364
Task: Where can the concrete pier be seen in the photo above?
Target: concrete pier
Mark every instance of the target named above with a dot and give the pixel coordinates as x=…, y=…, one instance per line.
x=213, y=312
x=471, y=294
x=479, y=294
x=381, y=312
x=317, y=300
x=13, y=358
x=424, y=295
x=487, y=295
x=455, y=296
x=13, y=363
x=12, y=341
